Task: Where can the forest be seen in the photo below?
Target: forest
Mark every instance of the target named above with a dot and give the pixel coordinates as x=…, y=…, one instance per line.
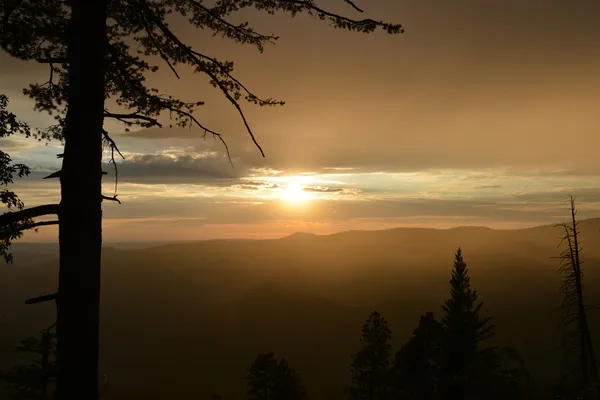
x=223, y=324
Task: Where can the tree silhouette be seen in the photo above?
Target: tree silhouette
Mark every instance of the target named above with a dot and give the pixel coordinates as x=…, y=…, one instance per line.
x=35, y=381
x=576, y=335
x=415, y=369
x=10, y=125
x=269, y=379
x=463, y=332
x=369, y=366
x=87, y=46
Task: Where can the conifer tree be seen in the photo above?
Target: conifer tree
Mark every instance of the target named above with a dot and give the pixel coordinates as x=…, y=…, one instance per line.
x=269, y=379
x=88, y=48
x=370, y=366
x=415, y=369
x=464, y=330
x=34, y=381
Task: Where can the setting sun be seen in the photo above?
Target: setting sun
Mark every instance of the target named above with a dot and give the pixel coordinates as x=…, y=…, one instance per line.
x=295, y=193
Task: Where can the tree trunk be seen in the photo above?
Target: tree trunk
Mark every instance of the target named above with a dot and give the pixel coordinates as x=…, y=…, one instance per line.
x=80, y=212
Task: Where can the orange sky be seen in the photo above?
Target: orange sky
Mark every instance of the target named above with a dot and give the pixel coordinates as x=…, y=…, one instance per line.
x=481, y=113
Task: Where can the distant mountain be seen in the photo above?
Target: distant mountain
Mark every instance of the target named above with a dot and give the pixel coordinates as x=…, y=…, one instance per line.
x=184, y=320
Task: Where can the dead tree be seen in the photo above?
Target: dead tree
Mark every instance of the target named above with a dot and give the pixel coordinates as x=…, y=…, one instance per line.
x=576, y=332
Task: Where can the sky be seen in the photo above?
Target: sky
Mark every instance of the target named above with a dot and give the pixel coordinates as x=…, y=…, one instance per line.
x=481, y=113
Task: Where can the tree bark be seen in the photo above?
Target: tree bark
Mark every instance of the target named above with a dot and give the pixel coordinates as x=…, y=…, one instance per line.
x=80, y=212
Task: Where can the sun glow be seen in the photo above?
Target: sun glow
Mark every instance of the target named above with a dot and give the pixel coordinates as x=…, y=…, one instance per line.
x=295, y=193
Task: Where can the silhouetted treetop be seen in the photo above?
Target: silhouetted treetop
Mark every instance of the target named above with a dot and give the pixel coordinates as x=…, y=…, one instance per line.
x=370, y=365
x=461, y=356
x=415, y=370
x=269, y=379
x=462, y=308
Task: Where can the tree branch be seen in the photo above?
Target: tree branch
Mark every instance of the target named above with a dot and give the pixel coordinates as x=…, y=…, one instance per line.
x=113, y=198
x=12, y=217
x=250, y=35
x=52, y=60
x=41, y=299
x=112, y=143
x=7, y=232
x=170, y=35
x=124, y=118
x=351, y=3
x=156, y=45
x=366, y=23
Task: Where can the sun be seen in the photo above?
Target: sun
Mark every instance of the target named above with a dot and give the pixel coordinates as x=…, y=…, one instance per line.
x=295, y=193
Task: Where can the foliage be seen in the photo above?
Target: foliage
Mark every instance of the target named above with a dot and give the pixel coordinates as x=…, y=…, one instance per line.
x=34, y=381
x=415, y=369
x=37, y=31
x=369, y=366
x=269, y=379
x=10, y=125
x=121, y=40
x=463, y=329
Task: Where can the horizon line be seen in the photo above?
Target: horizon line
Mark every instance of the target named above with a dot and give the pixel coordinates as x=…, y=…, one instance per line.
x=163, y=241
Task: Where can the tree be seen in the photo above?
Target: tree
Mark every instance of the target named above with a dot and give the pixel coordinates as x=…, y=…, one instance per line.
x=415, y=371
x=464, y=329
x=576, y=332
x=87, y=47
x=34, y=381
x=369, y=366
x=269, y=379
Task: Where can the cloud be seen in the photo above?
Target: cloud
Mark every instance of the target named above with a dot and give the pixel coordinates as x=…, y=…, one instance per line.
x=222, y=212
x=488, y=187
x=174, y=167
x=256, y=185
x=332, y=190
x=17, y=144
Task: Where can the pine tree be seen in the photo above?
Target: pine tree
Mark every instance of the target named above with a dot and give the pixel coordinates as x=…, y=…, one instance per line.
x=34, y=381
x=88, y=48
x=269, y=379
x=369, y=366
x=464, y=330
x=415, y=368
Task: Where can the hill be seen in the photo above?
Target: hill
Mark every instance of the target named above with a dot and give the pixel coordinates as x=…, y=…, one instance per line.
x=184, y=320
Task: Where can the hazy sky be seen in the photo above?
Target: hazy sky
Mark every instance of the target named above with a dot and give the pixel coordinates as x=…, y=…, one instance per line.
x=481, y=113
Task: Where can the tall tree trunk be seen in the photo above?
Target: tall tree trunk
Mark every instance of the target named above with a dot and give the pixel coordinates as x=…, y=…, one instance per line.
x=80, y=213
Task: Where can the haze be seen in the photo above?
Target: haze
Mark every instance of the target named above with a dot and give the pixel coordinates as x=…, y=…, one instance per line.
x=482, y=113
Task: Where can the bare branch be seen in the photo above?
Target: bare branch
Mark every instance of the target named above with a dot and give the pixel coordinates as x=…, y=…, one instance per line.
x=53, y=175
x=113, y=148
x=113, y=198
x=42, y=299
x=351, y=3
x=112, y=143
